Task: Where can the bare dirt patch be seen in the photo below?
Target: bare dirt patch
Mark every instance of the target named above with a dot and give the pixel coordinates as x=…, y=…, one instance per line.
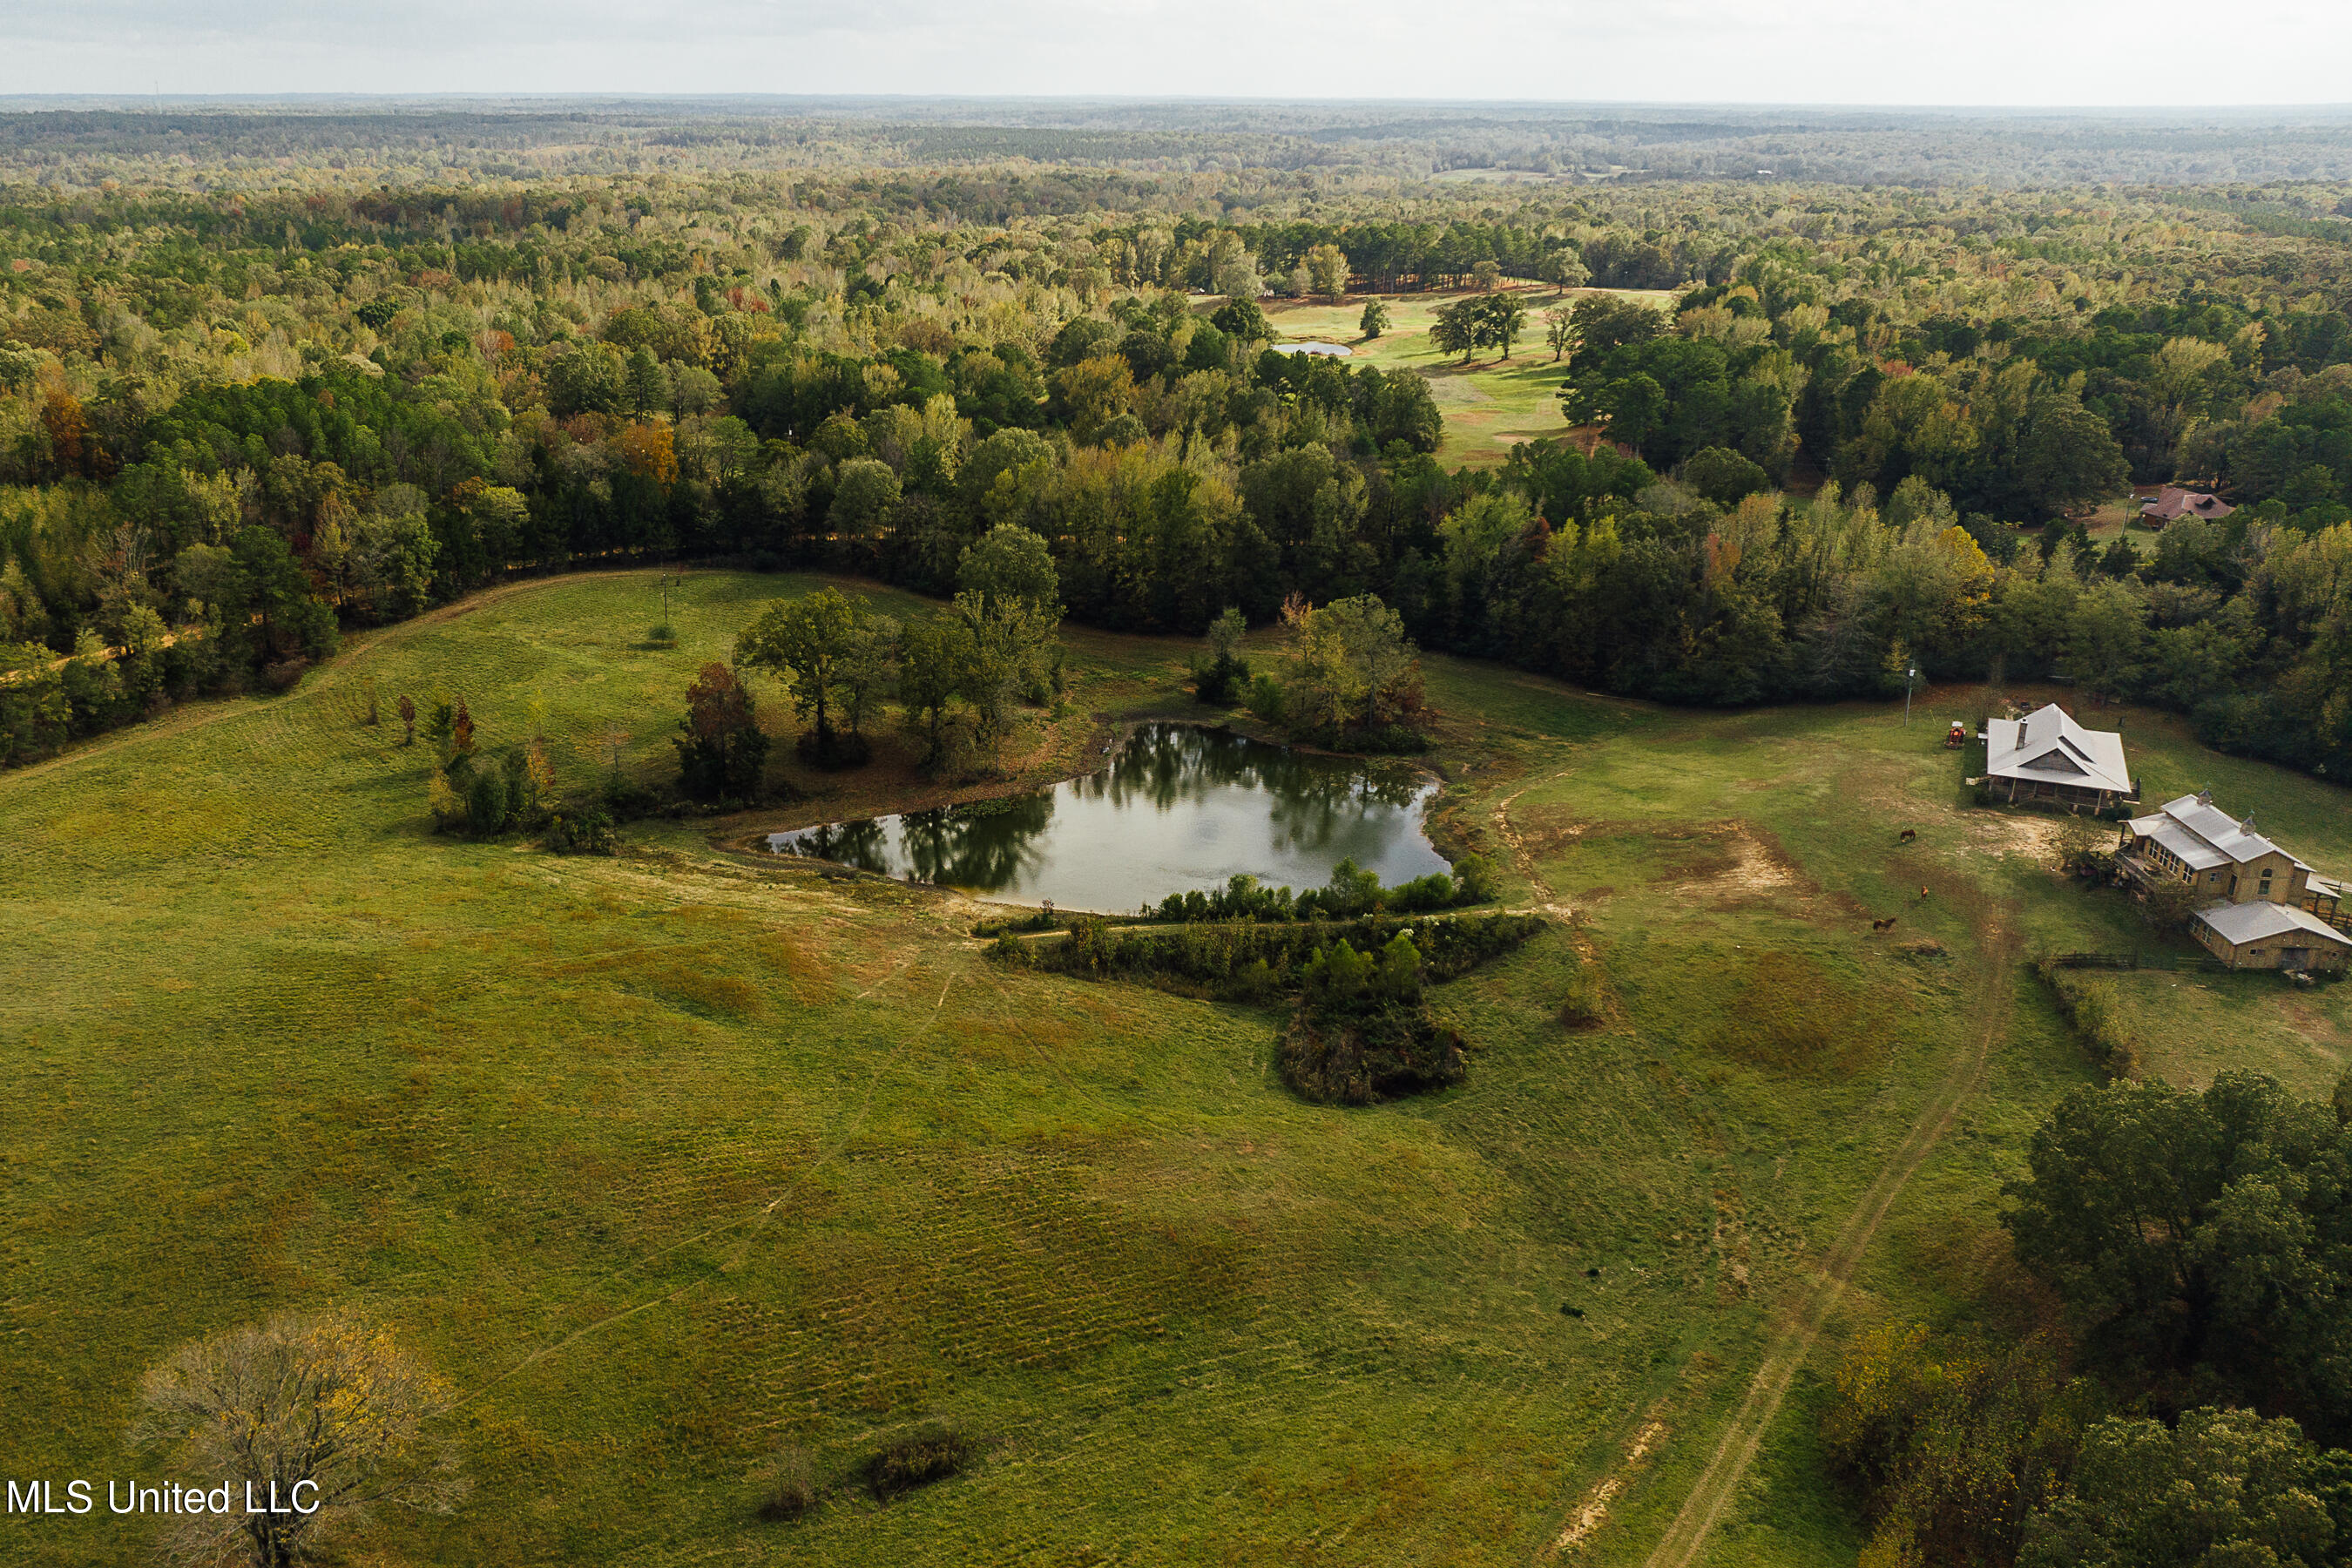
x=2035, y=837
x=1738, y=864
x=1594, y=1510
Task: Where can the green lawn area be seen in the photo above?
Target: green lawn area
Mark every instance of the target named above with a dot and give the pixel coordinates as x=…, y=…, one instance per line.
x=674, y=1158
x=1490, y=404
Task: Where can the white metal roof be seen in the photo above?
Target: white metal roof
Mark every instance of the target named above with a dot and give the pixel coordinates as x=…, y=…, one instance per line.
x=2215, y=835
x=2048, y=747
x=2192, y=851
x=2254, y=921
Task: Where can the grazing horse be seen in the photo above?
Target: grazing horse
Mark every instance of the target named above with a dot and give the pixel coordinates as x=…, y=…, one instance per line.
x=1887, y=924
x=1923, y=895
x=1908, y=835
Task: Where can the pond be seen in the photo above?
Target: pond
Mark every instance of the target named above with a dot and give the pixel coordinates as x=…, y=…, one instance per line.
x=1179, y=807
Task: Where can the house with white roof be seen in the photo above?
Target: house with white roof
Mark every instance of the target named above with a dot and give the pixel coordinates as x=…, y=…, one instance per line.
x=2047, y=758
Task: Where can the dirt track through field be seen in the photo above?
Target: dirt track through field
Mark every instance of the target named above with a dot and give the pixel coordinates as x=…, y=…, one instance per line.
x=1800, y=1324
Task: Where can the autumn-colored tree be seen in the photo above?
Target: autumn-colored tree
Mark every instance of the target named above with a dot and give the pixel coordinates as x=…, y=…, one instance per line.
x=327, y=1416
x=68, y=432
x=407, y=719
x=461, y=730
x=1093, y=392
x=1327, y=270
x=648, y=452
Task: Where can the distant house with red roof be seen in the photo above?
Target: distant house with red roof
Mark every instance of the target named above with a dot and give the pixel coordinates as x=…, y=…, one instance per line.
x=2172, y=504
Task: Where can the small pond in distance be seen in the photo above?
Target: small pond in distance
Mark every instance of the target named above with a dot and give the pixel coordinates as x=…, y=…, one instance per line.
x=1180, y=807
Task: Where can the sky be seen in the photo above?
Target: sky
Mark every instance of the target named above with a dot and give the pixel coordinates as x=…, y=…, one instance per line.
x=2157, y=53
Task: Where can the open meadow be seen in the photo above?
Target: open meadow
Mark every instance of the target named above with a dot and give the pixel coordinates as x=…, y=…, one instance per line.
x=674, y=1159
x=1490, y=404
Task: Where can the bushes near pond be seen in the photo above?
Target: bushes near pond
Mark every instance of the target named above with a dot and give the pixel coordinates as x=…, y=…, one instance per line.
x=1240, y=961
x=1352, y=891
x=1360, y=1031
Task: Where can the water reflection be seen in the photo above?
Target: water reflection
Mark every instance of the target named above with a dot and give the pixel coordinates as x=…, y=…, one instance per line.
x=1178, y=808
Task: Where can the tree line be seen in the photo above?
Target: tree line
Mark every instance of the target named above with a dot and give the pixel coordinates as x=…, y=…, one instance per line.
x=228, y=444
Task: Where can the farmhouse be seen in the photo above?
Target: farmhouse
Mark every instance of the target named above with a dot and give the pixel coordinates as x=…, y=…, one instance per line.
x=2258, y=935
x=2172, y=504
x=2048, y=758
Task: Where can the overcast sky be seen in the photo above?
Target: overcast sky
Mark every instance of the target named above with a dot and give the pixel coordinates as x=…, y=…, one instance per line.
x=2158, y=53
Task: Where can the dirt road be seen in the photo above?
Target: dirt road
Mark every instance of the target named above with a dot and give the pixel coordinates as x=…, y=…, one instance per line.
x=1798, y=1327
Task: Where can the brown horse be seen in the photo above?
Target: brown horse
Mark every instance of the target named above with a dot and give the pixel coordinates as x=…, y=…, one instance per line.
x=1887, y=924
x=1908, y=835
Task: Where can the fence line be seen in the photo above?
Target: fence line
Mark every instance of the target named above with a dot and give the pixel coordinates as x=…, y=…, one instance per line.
x=2193, y=963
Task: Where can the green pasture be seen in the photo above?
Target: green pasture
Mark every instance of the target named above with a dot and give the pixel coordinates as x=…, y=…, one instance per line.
x=672, y=1159
x=1490, y=404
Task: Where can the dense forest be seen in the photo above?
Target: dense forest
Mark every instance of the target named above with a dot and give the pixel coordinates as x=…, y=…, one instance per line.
x=1255, y=150
x=249, y=401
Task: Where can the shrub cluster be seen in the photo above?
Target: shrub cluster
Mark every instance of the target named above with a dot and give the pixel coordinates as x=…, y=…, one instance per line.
x=1361, y=1033
x=1251, y=963
x=795, y=1481
x=1365, y=1054
x=2090, y=1009
x=930, y=1453
x=1352, y=891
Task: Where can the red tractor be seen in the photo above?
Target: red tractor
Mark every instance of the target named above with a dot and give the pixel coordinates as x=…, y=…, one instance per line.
x=1956, y=736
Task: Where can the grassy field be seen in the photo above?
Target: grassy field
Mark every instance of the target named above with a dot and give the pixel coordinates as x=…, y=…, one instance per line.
x=671, y=1159
x=1490, y=404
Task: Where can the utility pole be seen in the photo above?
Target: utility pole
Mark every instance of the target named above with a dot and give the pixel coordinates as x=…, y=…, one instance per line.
x=1909, y=675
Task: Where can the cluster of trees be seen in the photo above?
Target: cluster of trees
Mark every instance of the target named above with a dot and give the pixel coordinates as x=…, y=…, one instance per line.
x=1351, y=678
x=475, y=790
x=1480, y=322
x=958, y=676
x=2195, y=1404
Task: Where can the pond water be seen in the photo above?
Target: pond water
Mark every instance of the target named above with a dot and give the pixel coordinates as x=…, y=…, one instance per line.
x=1179, y=807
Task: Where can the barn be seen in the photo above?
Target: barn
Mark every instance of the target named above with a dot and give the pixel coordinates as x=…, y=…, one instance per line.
x=2259, y=935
